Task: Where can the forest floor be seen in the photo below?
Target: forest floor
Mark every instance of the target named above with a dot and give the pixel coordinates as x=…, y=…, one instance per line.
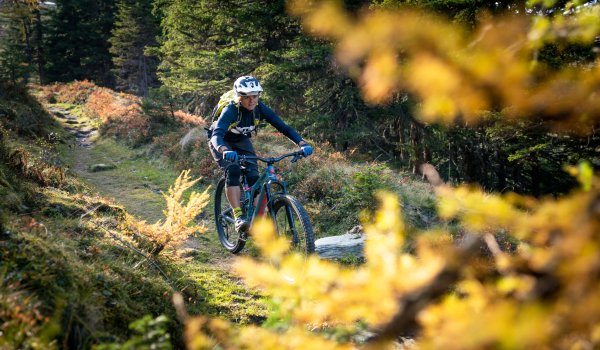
x=76, y=229
x=136, y=181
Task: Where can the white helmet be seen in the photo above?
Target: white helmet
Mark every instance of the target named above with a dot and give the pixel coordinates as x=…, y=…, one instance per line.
x=247, y=85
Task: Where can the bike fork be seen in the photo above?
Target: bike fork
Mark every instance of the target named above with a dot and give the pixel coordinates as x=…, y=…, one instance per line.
x=290, y=218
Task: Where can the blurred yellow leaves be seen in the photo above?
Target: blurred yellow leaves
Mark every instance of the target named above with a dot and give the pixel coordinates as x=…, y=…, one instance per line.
x=380, y=75
x=477, y=319
x=314, y=291
x=265, y=236
x=584, y=173
x=580, y=25
x=458, y=75
x=542, y=291
x=226, y=336
x=545, y=292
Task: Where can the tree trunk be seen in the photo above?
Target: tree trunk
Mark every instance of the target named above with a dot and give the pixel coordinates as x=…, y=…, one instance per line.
x=401, y=140
x=535, y=179
x=40, y=47
x=414, y=140
x=469, y=166
x=500, y=171
x=28, y=49
x=450, y=159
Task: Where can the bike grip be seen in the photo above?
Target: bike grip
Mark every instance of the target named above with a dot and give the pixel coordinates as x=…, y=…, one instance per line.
x=231, y=156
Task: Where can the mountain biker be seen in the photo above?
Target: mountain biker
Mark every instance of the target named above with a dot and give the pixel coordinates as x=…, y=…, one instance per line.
x=231, y=134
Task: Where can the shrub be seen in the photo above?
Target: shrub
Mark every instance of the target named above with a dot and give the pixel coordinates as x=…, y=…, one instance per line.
x=44, y=174
x=76, y=92
x=324, y=184
x=178, y=216
x=189, y=119
x=121, y=116
x=366, y=183
x=151, y=333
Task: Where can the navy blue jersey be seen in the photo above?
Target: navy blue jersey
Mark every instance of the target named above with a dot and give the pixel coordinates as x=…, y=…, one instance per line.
x=236, y=123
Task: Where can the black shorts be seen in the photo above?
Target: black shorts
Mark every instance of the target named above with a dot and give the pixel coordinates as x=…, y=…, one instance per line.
x=242, y=147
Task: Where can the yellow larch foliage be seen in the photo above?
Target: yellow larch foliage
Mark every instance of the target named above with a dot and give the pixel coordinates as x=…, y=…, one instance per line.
x=458, y=295
x=272, y=246
x=545, y=294
x=316, y=291
x=226, y=336
x=178, y=224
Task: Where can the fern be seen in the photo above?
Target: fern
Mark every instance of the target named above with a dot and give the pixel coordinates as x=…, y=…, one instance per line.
x=178, y=223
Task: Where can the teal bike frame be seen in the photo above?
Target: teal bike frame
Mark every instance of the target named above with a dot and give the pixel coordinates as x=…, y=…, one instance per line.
x=264, y=184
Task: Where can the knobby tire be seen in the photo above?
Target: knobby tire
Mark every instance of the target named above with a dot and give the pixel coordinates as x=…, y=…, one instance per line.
x=228, y=236
x=304, y=242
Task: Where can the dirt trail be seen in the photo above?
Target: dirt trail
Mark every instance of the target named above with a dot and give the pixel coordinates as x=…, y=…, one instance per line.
x=111, y=170
x=128, y=181
x=83, y=133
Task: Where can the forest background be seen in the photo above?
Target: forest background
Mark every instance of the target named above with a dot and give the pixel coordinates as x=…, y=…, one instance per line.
x=187, y=53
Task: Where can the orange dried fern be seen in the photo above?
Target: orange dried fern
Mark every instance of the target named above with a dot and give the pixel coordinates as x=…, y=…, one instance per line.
x=178, y=224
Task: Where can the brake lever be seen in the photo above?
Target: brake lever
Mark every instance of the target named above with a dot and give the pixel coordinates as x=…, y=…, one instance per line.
x=296, y=158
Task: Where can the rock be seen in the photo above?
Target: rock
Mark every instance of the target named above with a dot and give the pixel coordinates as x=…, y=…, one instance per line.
x=59, y=114
x=337, y=247
x=101, y=167
x=84, y=133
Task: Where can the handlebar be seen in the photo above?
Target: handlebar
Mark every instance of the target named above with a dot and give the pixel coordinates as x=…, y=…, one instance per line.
x=271, y=160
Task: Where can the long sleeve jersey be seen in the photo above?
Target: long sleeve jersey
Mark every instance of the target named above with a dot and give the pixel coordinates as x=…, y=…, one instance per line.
x=235, y=123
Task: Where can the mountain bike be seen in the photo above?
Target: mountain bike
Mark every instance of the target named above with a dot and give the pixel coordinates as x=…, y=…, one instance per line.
x=289, y=216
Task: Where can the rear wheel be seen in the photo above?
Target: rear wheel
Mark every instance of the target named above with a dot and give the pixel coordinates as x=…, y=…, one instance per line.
x=225, y=222
x=292, y=222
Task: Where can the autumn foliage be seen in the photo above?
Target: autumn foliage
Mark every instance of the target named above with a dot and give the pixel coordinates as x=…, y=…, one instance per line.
x=76, y=92
x=119, y=114
x=459, y=75
x=455, y=290
x=179, y=223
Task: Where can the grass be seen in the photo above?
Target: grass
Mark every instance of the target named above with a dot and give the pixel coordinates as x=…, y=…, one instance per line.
x=135, y=182
x=65, y=282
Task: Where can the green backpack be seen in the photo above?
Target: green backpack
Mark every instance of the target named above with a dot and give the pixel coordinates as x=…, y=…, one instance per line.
x=225, y=99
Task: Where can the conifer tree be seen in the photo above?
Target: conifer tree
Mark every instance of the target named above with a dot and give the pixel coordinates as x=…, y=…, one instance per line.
x=206, y=44
x=135, y=29
x=13, y=61
x=77, y=42
x=16, y=50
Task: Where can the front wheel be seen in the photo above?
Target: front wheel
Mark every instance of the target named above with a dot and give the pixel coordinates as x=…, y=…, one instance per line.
x=225, y=222
x=291, y=221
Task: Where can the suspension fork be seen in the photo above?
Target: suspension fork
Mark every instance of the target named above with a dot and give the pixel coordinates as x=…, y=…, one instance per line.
x=290, y=218
x=288, y=209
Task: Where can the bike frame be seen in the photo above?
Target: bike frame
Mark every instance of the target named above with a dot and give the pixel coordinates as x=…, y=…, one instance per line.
x=263, y=187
